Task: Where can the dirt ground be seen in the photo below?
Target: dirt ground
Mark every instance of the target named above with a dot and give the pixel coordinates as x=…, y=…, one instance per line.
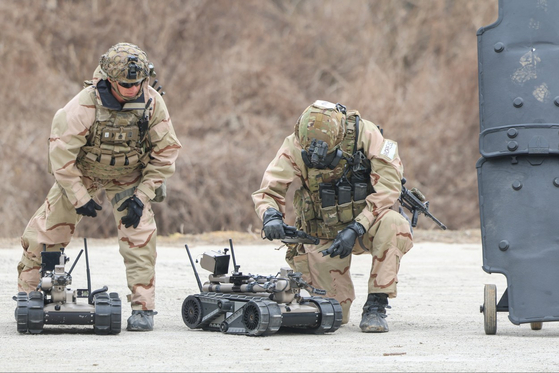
x=435, y=324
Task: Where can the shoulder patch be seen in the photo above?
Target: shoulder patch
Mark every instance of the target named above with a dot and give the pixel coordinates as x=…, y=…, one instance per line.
x=389, y=149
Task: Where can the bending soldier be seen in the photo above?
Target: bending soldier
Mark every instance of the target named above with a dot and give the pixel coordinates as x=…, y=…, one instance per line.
x=351, y=180
x=115, y=135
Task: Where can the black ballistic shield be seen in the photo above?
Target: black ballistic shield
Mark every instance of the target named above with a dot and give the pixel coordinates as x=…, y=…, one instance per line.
x=518, y=174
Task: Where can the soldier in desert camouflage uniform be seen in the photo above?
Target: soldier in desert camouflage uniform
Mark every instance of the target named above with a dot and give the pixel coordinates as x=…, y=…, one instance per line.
x=351, y=180
x=115, y=135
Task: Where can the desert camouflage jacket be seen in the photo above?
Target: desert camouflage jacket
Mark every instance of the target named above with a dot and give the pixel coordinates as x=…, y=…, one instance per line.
x=386, y=174
x=70, y=130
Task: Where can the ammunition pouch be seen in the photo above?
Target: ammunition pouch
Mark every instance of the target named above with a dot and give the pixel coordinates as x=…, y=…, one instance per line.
x=104, y=163
x=325, y=217
x=345, y=212
x=341, y=214
x=327, y=202
x=329, y=215
x=360, y=192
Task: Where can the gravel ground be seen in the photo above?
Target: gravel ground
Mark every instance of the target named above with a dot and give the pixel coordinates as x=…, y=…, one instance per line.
x=435, y=324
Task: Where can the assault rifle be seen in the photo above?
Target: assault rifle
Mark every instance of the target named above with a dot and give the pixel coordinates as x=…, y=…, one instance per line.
x=415, y=201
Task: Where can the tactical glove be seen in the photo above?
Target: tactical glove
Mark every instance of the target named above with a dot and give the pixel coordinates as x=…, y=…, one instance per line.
x=273, y=224
x=89, y=209
x=135, y=208
x=345, y=240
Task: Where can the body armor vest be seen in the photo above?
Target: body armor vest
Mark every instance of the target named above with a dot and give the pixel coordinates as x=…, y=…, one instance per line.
x=312, y=215
x=114, y=147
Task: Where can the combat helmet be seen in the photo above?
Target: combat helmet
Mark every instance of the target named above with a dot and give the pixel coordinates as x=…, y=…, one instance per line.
x=125, y=63
x=320, y=130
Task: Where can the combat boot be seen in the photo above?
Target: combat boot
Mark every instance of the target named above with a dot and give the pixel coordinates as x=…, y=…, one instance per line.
x=141, y=321
x=374, y=314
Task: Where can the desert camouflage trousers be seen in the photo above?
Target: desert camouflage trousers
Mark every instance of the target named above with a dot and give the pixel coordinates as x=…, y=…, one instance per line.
x=388, y=239
x=54, y=224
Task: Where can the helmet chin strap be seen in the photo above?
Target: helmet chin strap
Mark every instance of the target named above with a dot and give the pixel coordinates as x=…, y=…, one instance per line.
x=114, y=88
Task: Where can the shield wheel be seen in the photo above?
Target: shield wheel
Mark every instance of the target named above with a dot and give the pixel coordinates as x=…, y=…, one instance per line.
x=490, y=309
x=192, y=312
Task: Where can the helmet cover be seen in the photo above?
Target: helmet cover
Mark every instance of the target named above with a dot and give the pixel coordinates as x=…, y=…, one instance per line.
x=126, y=63
x=322, y=121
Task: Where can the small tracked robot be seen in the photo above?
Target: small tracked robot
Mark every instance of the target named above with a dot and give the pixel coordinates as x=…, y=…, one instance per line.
x=256, y=305
x=54, y=303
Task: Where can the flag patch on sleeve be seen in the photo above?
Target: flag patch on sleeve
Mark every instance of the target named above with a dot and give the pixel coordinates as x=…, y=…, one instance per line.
x=389, y=149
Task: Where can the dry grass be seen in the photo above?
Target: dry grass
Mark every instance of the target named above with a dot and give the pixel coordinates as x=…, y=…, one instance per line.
x=237, y=75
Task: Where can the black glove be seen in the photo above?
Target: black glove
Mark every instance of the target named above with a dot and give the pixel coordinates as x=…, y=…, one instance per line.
x=345, y=240
x=273, y=224
x=89, y=209
x=135, y=208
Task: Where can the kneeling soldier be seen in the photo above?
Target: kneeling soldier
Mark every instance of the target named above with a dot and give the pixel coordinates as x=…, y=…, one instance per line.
x=351, y=180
